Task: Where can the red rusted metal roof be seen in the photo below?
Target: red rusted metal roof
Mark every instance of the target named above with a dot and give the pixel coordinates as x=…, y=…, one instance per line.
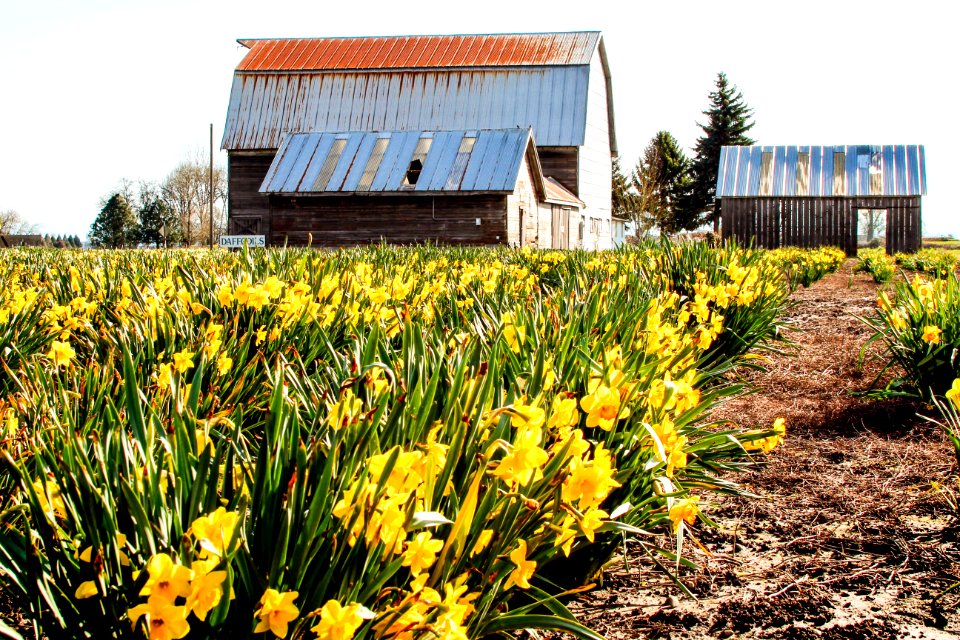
x=559, y=194
x=413, y=52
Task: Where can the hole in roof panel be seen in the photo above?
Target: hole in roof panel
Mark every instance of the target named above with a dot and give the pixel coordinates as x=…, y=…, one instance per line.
x=413, y=173
x=376, y=157
x=326, y=171
x=416, y=163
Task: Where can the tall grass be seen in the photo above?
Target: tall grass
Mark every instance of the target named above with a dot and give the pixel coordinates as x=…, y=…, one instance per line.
x=368, y=443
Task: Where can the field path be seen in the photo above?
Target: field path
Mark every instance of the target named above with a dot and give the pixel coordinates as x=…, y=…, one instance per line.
x=846, y=539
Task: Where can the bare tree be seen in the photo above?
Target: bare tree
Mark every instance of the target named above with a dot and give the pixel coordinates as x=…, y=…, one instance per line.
x=12, y=223
x=187, y=192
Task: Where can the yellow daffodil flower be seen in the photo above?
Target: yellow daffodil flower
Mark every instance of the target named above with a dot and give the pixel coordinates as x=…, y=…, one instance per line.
x=338, y=622
x=183, y=361
x=684, y=510
x=521, y=575
x=165, y=621
x=61, y=353
x=168, y=580
x=276, y=612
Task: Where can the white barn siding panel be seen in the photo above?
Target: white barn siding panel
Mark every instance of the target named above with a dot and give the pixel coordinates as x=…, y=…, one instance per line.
x=596, y=165
x=265, y=106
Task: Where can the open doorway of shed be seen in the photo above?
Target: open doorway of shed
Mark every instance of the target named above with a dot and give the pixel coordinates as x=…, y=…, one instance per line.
x=871, y=227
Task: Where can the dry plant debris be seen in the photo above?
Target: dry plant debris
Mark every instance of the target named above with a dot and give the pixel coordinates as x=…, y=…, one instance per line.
x=846, y=538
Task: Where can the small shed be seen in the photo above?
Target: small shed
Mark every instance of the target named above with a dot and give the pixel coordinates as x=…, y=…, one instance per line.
x=360, y=187
x=810, y=196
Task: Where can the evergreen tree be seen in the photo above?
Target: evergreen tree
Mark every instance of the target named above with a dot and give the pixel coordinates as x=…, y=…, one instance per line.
x=624, y=198
x=158, y=222
x=728, y=120
x=75, y=241
x=115, y=225
x=662, y=179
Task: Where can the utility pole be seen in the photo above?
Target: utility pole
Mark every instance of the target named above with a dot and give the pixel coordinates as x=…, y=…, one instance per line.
x=211, y=185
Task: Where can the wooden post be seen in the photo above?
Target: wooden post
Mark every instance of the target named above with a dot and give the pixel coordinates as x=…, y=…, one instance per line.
x=211, y=185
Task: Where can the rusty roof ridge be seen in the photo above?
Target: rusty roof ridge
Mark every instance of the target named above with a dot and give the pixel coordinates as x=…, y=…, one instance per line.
x=244, y=41
x=506, y=68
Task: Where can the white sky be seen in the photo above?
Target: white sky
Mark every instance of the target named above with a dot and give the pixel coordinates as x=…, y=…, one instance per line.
x=100, y=90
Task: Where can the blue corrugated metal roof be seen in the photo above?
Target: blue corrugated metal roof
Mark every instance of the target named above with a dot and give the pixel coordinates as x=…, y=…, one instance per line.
x=862, y=170
x=265, y=106
x=484, y=160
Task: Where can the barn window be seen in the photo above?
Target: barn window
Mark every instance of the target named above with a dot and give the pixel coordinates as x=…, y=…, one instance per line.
x=839, y=173
x=803, y=174
x=460, y=163
x=766, y=173
x=416, y=163
x=326, y=170
x=376, y=157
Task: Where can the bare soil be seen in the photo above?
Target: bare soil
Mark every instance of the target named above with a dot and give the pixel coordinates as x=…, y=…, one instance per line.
x=845, y=538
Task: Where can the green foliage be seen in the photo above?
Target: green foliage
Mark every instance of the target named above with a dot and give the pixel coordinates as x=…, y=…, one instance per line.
x=803, y=267
x=728, y=121
x=920, y=327
x=624, y=198
x=877, y=263
x=933, y=261
x=115, y=226
x=341, y=404
x=157, y=222
x=663, y=177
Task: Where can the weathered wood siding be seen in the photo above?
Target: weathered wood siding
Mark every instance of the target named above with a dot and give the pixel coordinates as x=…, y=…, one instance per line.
x=524, y=230
x=595, y=162
x=561, y=164
x=247, y=208
x=337, y=221
x=817, y=222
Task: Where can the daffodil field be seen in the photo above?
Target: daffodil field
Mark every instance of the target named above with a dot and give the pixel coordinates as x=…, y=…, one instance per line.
x=919, y=327
x=803, y=267
x=877, y=263
x=372, y=443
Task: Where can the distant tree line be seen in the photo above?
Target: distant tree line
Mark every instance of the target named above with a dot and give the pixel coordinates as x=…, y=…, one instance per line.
x=174, y=212
x=671, y=192
x=12, y=223
x=63, y=242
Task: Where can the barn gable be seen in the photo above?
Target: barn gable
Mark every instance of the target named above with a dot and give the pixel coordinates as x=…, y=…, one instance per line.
x=383, y=84
x=814, y=195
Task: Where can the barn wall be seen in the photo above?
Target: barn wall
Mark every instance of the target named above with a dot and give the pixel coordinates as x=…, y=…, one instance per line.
x=544, y=226
x=337, y=221
x=561, y=164
x=595, y=163
x=525, y=197
x=815, y=222
x=247, y=209
x=265, y=106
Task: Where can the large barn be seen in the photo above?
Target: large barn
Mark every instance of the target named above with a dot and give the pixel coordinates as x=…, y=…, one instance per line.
x=808, y=196
x=468, y=139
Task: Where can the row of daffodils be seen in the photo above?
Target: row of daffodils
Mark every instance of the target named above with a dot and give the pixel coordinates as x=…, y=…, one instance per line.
x=918, y=323
x=376, y=443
